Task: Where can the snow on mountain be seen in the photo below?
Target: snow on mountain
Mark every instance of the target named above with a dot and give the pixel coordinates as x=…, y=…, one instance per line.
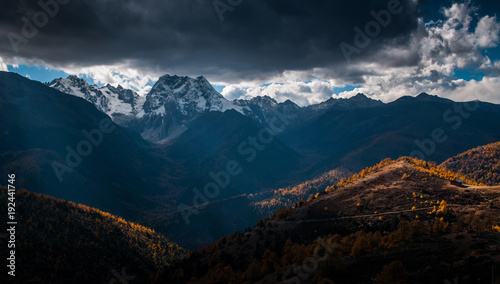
x=117, y=102
x=264, y=102
x=190, y=96
x=174, y=101
x=163, y=114
x=267, y=110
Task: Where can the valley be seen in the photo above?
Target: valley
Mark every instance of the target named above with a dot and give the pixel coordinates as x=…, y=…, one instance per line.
x=402, y=214
x=277, y=174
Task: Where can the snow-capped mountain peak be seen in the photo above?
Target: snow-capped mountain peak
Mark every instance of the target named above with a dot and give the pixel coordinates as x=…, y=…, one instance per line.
x=175, y=101
x=264, y=102
x=187, y=95
x=115, y=102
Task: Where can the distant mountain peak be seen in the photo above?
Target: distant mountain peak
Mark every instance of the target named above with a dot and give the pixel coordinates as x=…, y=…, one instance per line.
x=422, y=97
x=175, y=79
x=359, y=96
x=174, y=101
x=179, y=86
x=72, y=80
x=181, y=99
x=265, y=97
x=427, y=97
x=405, y=99
x=108, y=99
x=75, y=78
x=360, y=100
x=202, y=78
x=170, y=77
x=290, y=103
x=264, y=100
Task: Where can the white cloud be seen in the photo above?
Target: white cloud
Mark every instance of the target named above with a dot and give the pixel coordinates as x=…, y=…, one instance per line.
x=426, y=64
x=487, y=32
x=3, y=65
x=443, y=47
x=437, y=48
x=452, y=44
x=301, y=93
x=491, y=67
x=120, y=74
x=127, y=77
x=484, y=90
x=457, y=90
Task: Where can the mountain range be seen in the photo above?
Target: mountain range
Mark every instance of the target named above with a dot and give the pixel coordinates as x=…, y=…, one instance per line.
x=175, y=101
x=166, y=147
x=194, y=168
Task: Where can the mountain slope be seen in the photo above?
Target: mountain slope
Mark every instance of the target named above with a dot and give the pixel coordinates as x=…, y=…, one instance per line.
x=342, y=104
x=214, y=143
x=64, y=242
x=63, y=146
x=123, y=174
x=481, y=164
x=128, y=176
x=354, y=139
x=175, y=101
x=162, y=114
x=399, y=219
x=265, y=110
x=119, y=103
x=266, y=203
x=217, y=138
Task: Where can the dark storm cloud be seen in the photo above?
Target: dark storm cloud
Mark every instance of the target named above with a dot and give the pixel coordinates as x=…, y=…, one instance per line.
x=257, y=39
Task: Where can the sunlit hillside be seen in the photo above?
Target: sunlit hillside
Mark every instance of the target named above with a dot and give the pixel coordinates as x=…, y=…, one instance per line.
x=481, y=164
x=396, y=222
